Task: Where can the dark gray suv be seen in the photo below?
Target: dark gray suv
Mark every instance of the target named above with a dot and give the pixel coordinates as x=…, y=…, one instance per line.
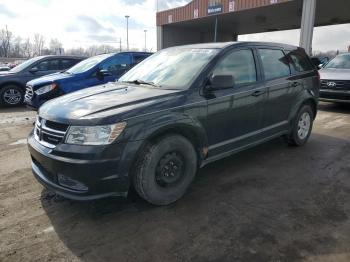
x=13, y=82
x=176, y=111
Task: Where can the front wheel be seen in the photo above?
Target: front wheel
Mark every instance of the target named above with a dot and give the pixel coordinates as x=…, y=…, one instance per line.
x=165, y=170
x=11, y=95
x=302, y=127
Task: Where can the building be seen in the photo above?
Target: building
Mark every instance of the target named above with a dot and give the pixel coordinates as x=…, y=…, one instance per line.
x=223, y=20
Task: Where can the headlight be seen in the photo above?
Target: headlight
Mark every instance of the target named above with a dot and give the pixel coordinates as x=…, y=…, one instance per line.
x=45, y=89
x=94, y=135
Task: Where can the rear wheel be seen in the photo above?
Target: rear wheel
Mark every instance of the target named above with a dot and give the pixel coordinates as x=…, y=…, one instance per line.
x=11, y=95
x=165, y=170
x=302, y=127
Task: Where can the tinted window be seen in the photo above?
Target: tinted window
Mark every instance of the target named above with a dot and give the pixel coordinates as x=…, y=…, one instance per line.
x=139, y=58
x=117, y=65
x=48, y=65
x=275, y=63
x=300, y=61
x=67, y=63
x=240, y=64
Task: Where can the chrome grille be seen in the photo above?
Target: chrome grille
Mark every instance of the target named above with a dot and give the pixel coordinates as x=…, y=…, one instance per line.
x=335, y=84
x=29, y=93
x=49, y=133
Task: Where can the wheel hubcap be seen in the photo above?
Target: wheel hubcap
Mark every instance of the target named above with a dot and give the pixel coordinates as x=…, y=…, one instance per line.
x=304, y=125
x=170, y=169
x=12, y=96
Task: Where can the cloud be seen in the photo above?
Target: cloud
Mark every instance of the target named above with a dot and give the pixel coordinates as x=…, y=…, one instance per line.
x=89, y=24
x=6, y=12
x=167, y=4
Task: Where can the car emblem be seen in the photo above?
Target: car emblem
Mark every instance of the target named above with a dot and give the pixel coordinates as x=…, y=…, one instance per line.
x=331, y=84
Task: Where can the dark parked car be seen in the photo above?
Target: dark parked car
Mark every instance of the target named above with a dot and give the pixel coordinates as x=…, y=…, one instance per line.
x=175, y=112
x=13, y=82
x=93, y=71
x=335, y=80
x=4, y=68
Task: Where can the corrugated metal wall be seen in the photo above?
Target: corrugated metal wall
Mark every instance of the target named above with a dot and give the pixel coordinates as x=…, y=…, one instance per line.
x=187, y=12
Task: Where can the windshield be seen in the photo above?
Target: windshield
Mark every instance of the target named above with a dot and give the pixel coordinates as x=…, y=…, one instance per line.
x=339, y=62
x=173, y=68
x=87, y=64
x=25, y=64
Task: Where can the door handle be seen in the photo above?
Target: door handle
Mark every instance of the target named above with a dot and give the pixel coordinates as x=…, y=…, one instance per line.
x=258, y=93
x=295, y=84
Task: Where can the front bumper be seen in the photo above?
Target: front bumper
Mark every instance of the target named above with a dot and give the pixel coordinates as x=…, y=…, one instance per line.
x=342, y=96
x=83, y=172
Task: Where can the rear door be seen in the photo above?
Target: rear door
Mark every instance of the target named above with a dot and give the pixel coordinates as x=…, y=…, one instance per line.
x=48, y=66
x=280, y=87
x=235, y=114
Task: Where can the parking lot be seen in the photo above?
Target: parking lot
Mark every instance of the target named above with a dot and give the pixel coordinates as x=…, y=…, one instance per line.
x=270, y=203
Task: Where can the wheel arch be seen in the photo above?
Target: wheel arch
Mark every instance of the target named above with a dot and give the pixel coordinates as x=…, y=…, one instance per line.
x=15, y=83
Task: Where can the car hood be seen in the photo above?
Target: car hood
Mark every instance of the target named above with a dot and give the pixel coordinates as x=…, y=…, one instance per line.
x=6, y=73
x=335, y=74
x=49, y=79
x=108, y=103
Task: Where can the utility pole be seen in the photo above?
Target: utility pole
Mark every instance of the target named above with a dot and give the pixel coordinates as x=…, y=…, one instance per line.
x=145, y=40
x=127, y=31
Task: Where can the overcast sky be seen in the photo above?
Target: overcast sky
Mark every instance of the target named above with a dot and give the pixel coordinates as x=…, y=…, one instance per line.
x=86, y=22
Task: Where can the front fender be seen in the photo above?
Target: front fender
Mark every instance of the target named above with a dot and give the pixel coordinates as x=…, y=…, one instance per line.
x=179, y=123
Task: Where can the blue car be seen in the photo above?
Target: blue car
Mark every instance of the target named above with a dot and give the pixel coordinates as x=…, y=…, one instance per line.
x=93, y=71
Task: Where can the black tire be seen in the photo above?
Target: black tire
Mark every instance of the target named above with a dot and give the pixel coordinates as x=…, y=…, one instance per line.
x=11, y=95
x=297, y=137
x=150, y=177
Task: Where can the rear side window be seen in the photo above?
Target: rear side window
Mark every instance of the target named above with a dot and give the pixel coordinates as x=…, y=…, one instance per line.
x=68, y=63
x=139, y=58
x=48, y=65
x=275, y=63
x=300, y=62
x=240, y=64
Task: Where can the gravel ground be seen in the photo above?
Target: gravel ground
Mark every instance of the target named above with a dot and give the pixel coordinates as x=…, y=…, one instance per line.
x=270, y=203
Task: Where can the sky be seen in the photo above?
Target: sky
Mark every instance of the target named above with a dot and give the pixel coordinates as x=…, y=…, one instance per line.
x=81, y=23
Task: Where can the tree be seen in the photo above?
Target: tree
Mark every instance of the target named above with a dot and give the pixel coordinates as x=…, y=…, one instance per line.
x=27, y=48
x=5, y=42
x=56, y=47
x=38, y=45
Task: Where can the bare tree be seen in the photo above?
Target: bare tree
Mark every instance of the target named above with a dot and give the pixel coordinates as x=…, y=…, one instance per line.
x=38, y=45
x=27, y=48
x=5, y=42
x=56, y=47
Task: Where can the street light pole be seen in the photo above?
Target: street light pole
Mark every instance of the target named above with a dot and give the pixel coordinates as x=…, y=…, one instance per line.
x=145, y=40
x=127, y=31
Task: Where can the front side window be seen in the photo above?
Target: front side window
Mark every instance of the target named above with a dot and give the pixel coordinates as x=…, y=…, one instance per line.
x=48, y=65
x=240, y=64
x=117, y=65
x=172, y=68
x=275, y=63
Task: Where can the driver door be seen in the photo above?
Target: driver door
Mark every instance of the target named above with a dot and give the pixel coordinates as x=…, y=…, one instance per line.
x=235, y=114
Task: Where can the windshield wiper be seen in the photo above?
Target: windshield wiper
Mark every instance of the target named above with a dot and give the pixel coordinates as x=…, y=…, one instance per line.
x=141, y=82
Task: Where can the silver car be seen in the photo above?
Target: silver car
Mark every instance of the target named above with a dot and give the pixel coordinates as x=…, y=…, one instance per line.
x=335, y=80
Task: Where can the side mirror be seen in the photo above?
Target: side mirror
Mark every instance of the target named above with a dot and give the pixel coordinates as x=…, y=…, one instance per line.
x=320, y=66
x=33, y=70
x=221, y=82
x=101, y=73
